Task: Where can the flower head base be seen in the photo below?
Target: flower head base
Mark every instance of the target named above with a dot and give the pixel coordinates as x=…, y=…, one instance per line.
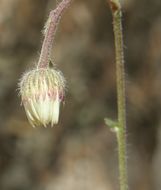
x=41, y=91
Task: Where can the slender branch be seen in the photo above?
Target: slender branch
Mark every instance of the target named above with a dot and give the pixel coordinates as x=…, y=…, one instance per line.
x=49, y=32
x=120, y=74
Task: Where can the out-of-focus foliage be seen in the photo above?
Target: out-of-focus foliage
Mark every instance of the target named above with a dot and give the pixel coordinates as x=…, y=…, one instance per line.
x=80, y=153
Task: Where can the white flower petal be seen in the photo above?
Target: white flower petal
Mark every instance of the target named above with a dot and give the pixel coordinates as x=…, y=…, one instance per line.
x=55, y=110
x=33, y=108
x=30, y=118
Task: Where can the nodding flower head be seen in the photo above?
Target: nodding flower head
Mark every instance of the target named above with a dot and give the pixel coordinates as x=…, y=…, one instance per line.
x=41, y=92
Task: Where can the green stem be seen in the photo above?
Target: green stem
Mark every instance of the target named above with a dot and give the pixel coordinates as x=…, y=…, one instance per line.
x=50, y=30
x=120, y=74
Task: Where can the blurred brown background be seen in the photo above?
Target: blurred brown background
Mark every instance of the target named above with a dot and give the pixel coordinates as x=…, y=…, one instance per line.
x=80, y=153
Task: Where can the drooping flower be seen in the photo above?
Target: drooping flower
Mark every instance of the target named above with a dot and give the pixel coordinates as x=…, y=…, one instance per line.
x=41, y=91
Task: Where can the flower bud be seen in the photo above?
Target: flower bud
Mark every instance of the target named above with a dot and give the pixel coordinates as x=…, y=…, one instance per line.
x=41, y=92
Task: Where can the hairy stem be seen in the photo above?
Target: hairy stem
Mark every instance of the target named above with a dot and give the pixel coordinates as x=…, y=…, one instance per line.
x=120, y=74
x=49, y=32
